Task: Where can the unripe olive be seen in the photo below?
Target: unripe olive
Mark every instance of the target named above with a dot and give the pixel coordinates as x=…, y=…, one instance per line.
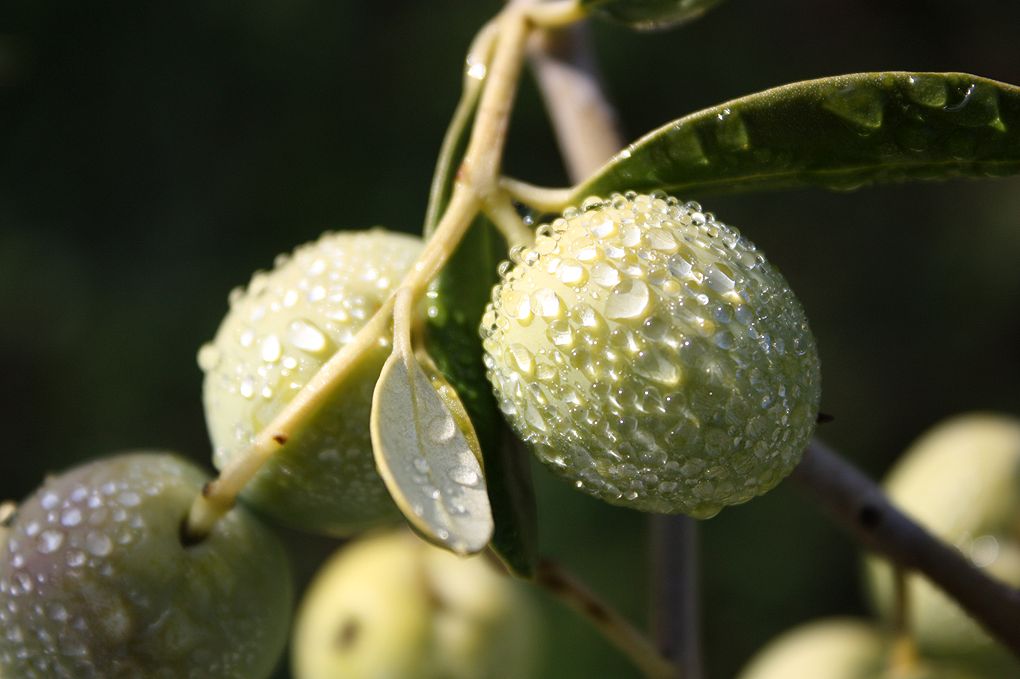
x=839, y=648
x=277, y=335
x=96, y=583
x=393, y=606
x=961, y=481
x=650, y=354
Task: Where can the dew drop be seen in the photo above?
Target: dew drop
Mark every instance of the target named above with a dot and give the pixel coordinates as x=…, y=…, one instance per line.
x=559, y=333
x=547, y=303
x=685, y=146
x=129, y=499
x=521, y=358
x=71, y=517
x=305, y=336
x=603, y=229
x=271, y=349
x=50, y=541
x=984, y=551
x=978, y=108
x=926, y=90
x=208, y=357
x=465, y=476
x=98, y=544
x=719, y=278
x=731, y=131
x=654, y=366
x=860, y=105
x=247, y=387
x=605, y=274
x=629, y=299
x=440, y=430
x=572, y=273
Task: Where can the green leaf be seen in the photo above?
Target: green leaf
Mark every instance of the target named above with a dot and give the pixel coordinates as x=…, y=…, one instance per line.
x=839, y=133
x=428, y=459
x=459, y=297
x=650, y=14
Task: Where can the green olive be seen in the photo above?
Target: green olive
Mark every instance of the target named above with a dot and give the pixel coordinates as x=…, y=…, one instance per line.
x=839, y=648
x=96, y=583
x=277, y=335
x=961, y=481
x=649, y=354
x=393, y=606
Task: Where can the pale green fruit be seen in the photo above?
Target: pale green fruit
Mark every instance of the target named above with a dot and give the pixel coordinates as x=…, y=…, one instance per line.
x=837, y=648
x=394, y=606
x=651, y=355
x=277, y=335
x=95, y=582
x=961, y=481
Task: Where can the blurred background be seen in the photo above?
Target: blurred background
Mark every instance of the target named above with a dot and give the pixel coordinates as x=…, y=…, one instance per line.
x=153, y=155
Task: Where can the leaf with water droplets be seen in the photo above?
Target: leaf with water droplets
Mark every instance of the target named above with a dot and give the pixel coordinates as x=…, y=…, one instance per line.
x=650, y=14
x=458, y=298
x=429, y=458
x=839, y=133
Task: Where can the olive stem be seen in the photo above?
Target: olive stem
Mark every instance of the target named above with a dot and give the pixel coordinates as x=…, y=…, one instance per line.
x=859, y=505
x=556, y=13
x=477, y=61
x=501, y=211
x=476, y=182
x=613, y=627
x=541, y=198
x=903, y=657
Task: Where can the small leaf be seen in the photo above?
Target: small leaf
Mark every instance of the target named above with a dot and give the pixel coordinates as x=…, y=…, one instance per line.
x=453, y=341
x=429, y=463
x=650, y=14
x=839, y=133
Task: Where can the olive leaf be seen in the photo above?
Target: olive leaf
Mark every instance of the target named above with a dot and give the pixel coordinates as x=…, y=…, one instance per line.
x=840, y=133
x=459, y=296
x=429, y=458
x=650, y=14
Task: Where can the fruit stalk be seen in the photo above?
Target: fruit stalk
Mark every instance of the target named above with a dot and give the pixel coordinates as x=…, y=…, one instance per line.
x=616, y=629
x=859, y=505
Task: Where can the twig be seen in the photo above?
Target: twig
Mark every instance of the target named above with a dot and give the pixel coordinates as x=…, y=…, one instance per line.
x=675, y=592
x=614, y=627
x=584, y=121
x=861, y=507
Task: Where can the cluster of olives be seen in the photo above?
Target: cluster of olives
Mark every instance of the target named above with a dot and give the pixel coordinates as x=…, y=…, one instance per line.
x=643, y=349
x=961, y=481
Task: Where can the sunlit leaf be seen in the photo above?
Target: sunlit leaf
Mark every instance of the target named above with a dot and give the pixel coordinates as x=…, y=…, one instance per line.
x=452, y=339
x=650, y=14
x=839, y=133
x=428, y=459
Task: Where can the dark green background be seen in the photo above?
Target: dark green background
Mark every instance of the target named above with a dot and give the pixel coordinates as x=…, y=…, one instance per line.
x=153, y=156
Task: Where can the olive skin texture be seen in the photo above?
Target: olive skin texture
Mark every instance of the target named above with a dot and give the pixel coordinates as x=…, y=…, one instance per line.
x=278, y=333
x=95, y=581
x=961, y=482
x=651, y=356
x=391, y=605
x=839, y=648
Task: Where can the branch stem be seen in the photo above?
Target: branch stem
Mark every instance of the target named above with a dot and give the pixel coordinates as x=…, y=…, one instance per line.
x=860, y=506
x=613, y=627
